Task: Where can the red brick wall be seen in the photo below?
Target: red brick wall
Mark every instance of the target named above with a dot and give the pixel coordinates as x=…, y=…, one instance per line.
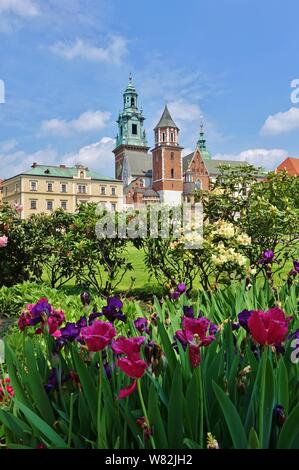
x=172, y=161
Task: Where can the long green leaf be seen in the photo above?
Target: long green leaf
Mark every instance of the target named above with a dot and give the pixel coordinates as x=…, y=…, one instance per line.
x=289, y=435
x=232, y=419
x=175, y=411
x=54, y=438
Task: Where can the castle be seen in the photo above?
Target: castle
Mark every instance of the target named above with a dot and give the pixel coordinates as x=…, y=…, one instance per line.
x=161, y=174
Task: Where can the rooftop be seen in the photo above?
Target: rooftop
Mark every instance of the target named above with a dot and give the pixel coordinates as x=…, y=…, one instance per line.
x=291, y=165
x=166, y=120
x=63, y=171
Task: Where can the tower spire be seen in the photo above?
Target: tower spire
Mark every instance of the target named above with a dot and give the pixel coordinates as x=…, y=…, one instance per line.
x=202, y=142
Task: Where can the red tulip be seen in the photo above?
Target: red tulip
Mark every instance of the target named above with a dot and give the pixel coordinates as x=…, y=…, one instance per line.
x=128, y=346
x=98, y=335
x=125, y=392
x=268, y=327
x=134, y=369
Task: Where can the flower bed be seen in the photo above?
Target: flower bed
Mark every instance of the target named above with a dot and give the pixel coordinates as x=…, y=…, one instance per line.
x=173, y=377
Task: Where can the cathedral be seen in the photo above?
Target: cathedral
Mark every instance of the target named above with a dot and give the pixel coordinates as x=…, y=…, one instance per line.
x=161, y=174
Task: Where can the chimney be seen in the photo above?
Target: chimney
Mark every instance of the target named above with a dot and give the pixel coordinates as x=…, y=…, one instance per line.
x=62, y=166
x=34, y=165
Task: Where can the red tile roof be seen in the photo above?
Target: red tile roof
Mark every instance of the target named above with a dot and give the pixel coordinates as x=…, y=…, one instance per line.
x=291, y=165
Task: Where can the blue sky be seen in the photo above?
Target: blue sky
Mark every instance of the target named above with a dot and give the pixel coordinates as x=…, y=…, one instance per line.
x=65, y=64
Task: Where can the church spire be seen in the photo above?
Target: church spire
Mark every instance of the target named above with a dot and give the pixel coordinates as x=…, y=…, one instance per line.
x=201, y=143
x=130, y=120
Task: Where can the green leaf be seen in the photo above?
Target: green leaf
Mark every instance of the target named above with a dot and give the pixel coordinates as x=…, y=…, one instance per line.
x=54, y=438
x=175, y=411
x=283, y=386
x=289, y=435
x=88, y=385
x=15, y=425
x=232, y=418
x=155, y=418
x=253, y=440
x=168, y=348
x=36, y=386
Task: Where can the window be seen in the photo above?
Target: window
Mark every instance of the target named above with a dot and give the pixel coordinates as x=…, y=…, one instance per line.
x=64, y=205
x=163, y=136
x=113, y=206
x=121, y=130
x=172, y=155
x=172, y=173
x=33, y=186
x=49, y=205
x=171, y=137
x=33, y=204
x=50, y=187
x=198, y=184
x=134, y=129
x=82, y=188
x=103, y=190
x=113, y=191
x=63, y=188
x=81, y=174
x=132, y=102
x=6, y=190
x=17, y=187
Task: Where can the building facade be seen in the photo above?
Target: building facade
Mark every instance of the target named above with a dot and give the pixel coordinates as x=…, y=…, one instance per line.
x=42, y=189
x=161, y=175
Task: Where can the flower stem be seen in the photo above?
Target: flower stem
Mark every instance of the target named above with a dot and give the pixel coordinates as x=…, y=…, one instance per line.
x=145, y=413
x=69, y=440
x=262, y=397
x=99, y=402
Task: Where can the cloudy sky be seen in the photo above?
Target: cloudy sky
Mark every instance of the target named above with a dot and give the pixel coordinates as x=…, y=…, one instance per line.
x=65, y=64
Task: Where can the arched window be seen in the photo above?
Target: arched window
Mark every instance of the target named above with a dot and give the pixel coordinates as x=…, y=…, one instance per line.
x=172, y=155
x=163, y=136
x=172, y=173
x=81, y=174
x=132, y=102
x=171, y=137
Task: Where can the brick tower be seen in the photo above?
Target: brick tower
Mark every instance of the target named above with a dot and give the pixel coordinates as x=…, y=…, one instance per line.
x=167, y=161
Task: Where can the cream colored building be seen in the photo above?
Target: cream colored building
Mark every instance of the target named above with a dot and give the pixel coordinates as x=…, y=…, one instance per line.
x=44, y=188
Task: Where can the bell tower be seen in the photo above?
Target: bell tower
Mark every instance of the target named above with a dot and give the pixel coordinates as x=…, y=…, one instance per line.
x=131, y=134
x=167, y=161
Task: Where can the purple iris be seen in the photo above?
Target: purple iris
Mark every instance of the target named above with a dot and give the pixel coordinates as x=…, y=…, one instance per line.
x=39, y=310
x=295, y=270
x=213, y=329
x=141, y=325
x=181, y=288
x=267, y=257
x=244, y=318
x=279, y=415
x=235, y=326
x=53, y=380
x=113, y=310
x=188, y=311
x=294, y=335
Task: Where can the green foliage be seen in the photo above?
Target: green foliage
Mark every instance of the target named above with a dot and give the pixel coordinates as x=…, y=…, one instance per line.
x=231, y=395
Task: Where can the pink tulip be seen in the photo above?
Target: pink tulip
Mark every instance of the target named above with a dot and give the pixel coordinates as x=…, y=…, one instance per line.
x=268, y=327
x=98, y=335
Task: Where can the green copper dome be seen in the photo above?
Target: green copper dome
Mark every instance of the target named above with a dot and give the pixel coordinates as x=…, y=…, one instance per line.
x=130, y=120
x=201, y=144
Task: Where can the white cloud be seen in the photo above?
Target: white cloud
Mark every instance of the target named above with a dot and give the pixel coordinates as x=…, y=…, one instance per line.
x=87, y=122
x=182, y=110
x=19, y=7
x=266, y=158
x=8, y=145
x=281, y=122
x=97, y=156
x=14, y=163
x=112, y=53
